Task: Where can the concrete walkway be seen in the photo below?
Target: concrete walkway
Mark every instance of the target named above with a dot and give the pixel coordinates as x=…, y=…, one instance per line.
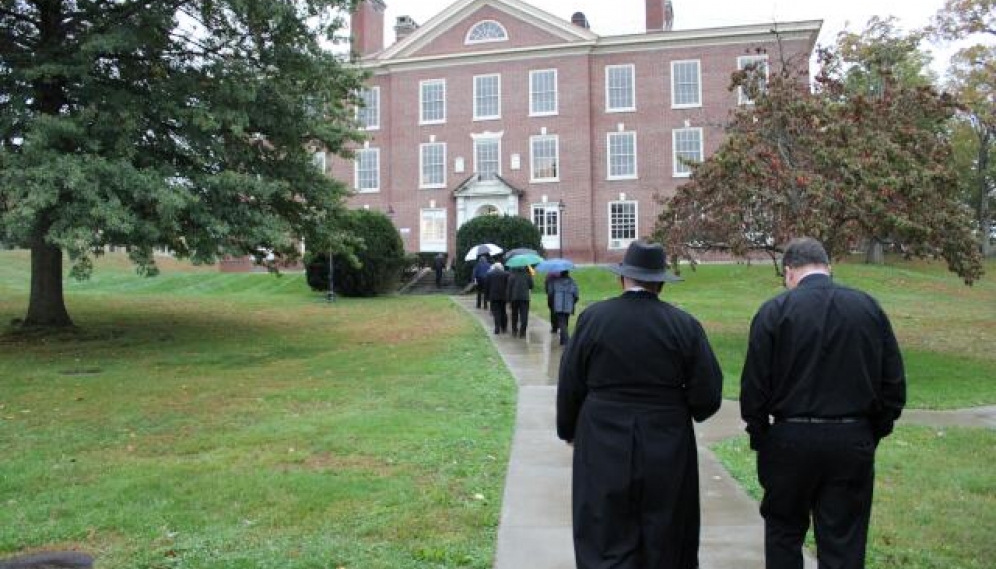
x=535, y=527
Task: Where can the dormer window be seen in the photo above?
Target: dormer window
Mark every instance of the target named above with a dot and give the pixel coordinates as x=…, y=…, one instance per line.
x=486, y=31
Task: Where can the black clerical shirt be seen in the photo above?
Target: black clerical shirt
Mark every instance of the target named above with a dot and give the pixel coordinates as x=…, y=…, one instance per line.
x=824, y=351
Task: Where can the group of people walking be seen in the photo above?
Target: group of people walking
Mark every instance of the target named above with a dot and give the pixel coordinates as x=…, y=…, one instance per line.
x=822, y=384
x=508, y=291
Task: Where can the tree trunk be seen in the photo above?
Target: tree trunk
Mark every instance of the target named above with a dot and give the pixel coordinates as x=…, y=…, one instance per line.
x=982, y=209
x=47, y=307
x=874, y=253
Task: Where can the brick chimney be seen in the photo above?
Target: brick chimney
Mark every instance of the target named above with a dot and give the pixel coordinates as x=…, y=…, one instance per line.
x=660, y=15
x=366, y=27
x=403, y=27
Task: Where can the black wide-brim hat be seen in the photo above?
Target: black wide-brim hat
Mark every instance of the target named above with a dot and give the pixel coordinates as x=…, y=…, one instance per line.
x=645, y=262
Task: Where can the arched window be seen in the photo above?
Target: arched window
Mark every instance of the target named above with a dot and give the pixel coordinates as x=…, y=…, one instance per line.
x=485, y=31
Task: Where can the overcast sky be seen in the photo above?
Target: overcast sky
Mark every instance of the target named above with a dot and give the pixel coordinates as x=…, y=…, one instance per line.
x=618, y=17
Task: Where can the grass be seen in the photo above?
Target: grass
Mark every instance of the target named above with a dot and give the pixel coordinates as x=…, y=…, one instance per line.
x=945, y=329
x=935, y=497
x=212, y=420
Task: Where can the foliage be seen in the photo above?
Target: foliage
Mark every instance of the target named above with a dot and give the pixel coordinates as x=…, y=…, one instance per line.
x=185, y=124
x=375, y=266
x=508, y=232
x=960, y=18
x=972, y=77
x=832, y=164
x=880, y=55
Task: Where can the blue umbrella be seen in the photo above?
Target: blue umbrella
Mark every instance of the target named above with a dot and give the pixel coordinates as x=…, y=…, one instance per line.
x=555, y=265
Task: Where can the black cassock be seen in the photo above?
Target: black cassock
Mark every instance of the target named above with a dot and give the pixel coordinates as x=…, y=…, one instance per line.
x=635, y=374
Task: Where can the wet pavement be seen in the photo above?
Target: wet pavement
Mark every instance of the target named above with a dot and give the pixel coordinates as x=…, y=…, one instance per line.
x=535, y=527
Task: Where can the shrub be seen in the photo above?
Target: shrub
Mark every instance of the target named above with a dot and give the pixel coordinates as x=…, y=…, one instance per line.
x=381, y=259
x=507, y=232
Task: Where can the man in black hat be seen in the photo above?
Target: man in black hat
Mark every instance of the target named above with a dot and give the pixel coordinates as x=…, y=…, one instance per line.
x=824, y=364
x=632, y=378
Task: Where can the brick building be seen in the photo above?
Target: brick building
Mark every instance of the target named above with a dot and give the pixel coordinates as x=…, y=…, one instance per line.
x=497, y=107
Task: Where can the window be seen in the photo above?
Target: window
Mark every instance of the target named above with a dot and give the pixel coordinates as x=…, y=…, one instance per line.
x=432, y=161
x=318, y=159
x=619, y=88
x=621, y=155
x=544, y=158
x=369, y=114
x=686, y=86
x=622, y=224
x=486, y=31
x=546, y=218
x=432, y=99
x=487, y=97
x=432, y=230
x=761, y=68
x=687, y=145
x=367, y=175
x=543, y=92
x=487, y=157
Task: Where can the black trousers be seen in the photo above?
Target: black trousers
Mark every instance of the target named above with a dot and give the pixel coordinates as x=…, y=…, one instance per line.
x=826, y=471
x=563, y=319
x=520, y=315
x=482, y=297
x=500, y=315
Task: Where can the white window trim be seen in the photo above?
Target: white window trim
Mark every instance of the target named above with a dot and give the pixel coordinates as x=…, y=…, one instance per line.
x=744, y=61
x=556, y=94
x=474, y=104
x=674, y=90
x=375, y=126
x=532, y=159
x=632, y=85
x=421, y=166
x=617, y=244
x=356, y=172
x=433, y=245
x=421, y=101
x=674, y=150
x=496, y=136
x=608, y=156
x=319, y=159
x=468, y=41
x=547, y=207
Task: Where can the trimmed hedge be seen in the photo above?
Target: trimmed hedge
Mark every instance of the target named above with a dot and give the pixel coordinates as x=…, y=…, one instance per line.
x=382, y=259
x=507, y=232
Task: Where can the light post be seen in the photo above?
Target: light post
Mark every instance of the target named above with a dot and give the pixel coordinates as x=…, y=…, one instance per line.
x=561, y=206
x=330, y=296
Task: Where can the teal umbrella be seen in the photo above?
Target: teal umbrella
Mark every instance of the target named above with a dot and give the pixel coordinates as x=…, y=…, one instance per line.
x=523, y=260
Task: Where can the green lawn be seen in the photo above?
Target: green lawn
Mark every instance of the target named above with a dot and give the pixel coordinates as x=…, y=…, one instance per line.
x=946, y=330
x=208, y=420
x=203, y=420
x=935, y=497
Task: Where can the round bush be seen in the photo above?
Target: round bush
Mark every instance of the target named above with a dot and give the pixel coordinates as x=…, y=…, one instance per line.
x=381, y=257
x=507, y=232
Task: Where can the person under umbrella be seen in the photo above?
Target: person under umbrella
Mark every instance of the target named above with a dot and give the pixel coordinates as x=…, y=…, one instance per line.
x=636, y=373
x=520, y=283
x=480, y=275
x=497, y=290
x=562, y=297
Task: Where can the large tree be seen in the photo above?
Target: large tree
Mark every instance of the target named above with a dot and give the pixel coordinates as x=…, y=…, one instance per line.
x=829, y=163
x=972, y=77
x=185, y=124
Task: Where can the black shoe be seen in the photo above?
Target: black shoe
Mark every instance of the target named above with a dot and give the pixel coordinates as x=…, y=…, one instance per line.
x=522, y=334
x=496, y=330
x=515, y=331
x=553, y=330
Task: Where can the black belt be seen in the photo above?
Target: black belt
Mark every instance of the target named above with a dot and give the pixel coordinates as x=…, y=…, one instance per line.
x=821, y=420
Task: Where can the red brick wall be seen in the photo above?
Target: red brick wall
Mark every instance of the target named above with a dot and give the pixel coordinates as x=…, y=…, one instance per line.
x=582, y=125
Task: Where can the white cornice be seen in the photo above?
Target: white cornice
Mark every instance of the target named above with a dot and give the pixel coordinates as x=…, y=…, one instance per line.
x=803, y=30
